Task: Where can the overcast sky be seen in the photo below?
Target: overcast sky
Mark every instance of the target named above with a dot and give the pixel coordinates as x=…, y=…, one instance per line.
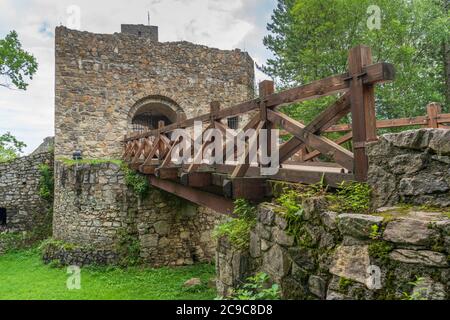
x=224, y=24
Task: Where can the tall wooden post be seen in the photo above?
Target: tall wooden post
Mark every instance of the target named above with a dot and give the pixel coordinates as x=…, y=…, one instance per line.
x=433, y=111
x=214, y=109
x=364, y=123
x=266, y=88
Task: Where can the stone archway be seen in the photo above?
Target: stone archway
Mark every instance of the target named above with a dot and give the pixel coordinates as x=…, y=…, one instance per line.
x=147, y=112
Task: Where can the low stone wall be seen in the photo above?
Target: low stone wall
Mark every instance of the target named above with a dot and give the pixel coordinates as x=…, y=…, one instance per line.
x=19, y=192
x=411, y=167
x=344, y=256
x=94, y=207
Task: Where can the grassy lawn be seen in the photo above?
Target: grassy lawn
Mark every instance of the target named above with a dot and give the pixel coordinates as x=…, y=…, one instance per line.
x=24, y=276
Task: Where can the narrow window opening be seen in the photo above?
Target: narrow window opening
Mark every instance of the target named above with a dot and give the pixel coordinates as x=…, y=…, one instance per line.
x=233, y=123
x=3, y=217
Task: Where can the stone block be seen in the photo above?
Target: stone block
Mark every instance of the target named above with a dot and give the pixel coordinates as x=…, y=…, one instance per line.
x=313, y=206
x=358, y=225
x=255, y=245
x=351, y=262
x=266, y=214
x=410, y=231
x=420, y=257
x=329, y=219
x=423, y=184
x=282, y=238
x=407, y=163
x=276, y=262
x=317, y=286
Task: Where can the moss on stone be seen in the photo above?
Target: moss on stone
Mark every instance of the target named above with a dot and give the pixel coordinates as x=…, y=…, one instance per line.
x=345, y=284
x=70, y=162
x=380, y=250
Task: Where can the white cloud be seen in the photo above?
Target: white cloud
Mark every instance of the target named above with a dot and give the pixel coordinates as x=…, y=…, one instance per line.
x=224, y=24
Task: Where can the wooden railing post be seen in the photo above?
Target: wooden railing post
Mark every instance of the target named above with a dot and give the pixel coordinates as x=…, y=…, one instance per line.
x=214, y=110
x=266, y=88
x=363, y=109
x=433, y=111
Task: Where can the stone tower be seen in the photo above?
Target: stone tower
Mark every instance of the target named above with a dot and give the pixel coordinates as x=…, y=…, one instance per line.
x=108, y=85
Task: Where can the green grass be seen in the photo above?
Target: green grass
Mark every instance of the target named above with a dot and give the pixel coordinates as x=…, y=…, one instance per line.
x=24, y=277
x=70, y=162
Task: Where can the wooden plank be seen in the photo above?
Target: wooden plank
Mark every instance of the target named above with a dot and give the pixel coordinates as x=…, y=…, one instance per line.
x=444, y=118
x=378, y=73
x=212, y=201
x=341, y=155
x=196, y=179
x=363, y=110
x=300, y=174
x=253, y=189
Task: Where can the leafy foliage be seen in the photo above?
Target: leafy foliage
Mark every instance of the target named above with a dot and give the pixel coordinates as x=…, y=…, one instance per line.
x=10, y=147
x=257, y=289
x=16, y=65
x=136, y=181
x=46, y=182
x=128, y=248
x=380, y=250
x=237, y=230
x=420, y=294
x=310, y=40
x=351, y=197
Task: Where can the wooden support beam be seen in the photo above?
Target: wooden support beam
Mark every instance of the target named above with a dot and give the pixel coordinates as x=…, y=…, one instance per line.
x=433, y=111
x=363, y=109
x=198, y=157
x=196, y=179
x=253, y=189
x=167, y=173
x=241, y=169
x=341, y=155
x=214, y=202
x=148, y=169
x=339, y=141
x=326, y=119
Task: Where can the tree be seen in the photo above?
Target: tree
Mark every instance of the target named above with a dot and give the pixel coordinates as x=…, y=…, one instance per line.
x=10, y=147
x=310, y=40
x=16, y=65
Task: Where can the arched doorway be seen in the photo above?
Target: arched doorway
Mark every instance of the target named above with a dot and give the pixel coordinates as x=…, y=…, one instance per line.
x=148, y=112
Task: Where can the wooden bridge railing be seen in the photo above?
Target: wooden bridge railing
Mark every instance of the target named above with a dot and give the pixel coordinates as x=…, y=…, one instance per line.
x=150, y=152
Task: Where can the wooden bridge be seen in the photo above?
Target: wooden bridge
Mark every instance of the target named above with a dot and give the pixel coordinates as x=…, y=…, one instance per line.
x=216, y=186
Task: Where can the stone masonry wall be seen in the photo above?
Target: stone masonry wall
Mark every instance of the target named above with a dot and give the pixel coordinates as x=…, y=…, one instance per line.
x=19, y=191
x=99, y=78
x=361, y=256
x=339, y=259
x=411, y=167
x=93, y=207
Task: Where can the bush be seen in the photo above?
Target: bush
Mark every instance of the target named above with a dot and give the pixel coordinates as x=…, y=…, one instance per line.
x=136, y=181
x=46, y=182
x=238, y=229
x=257, y=288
